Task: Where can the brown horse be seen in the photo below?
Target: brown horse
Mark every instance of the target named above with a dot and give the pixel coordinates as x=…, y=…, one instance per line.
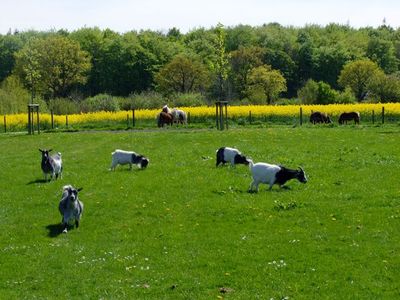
x=164, y=118
x=319, y=117
x=354, y=115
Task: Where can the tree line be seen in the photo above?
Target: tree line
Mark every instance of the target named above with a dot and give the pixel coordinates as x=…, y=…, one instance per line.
x=241, y=64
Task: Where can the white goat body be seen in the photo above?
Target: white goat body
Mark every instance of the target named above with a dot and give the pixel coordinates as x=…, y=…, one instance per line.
x=231, y=155
x=273, y=174
x=122, y=157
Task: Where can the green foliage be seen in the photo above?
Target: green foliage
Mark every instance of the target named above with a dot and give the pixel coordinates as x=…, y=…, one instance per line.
x=383, y=53
x=183, y=74
x=385, y=88
x=128, y=63
x=101, y=102
x=358, y=75
x=317, y=93
x=143, y=100
x=188, y=99
x=242, y=61
x=346, y=96
x=14, y=98
x=51, y=66
x=63, y=106
x=267, y=81
x=331, y=238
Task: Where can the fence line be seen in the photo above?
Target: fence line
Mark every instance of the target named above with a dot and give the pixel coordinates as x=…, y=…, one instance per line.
x=274, y=115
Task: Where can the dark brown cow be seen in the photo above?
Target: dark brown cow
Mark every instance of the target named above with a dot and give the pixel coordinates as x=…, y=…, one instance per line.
x=319, y=117
x=354, y=115
x=164, y=118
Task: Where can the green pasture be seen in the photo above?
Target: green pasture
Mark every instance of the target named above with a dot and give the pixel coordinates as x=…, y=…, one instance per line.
x=184, y=229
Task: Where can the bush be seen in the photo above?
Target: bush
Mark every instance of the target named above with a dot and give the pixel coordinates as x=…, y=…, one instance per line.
x=347, y=96
x=100, y=102
x=188, y=99
x=317, y=93
x=143, y=100
x=63, y=106
x=14, y=98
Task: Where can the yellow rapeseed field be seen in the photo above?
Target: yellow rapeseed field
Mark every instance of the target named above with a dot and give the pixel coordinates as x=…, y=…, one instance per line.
x=334, y=110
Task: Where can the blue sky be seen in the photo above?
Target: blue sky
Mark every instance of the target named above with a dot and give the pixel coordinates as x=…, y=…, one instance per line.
x=125, y=15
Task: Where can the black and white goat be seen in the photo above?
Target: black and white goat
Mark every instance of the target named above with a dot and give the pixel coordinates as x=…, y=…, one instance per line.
x=273, y=174
x=70, y=207
x=122, y=157
x=232, y=155
x=51, y=164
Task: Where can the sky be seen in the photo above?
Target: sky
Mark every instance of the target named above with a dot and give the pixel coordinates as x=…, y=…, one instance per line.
x=160, y=15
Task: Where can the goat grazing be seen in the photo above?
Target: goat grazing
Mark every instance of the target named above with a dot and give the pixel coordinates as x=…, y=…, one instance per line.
x=51, y=164
x=344, y=117
x=273, y=174
x=319, y=117
x=232, y=155
x=70, y=207
x=122, y=157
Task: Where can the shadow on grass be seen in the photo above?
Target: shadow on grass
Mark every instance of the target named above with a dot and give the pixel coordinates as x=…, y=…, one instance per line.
x=37, y=181
x=54, y=230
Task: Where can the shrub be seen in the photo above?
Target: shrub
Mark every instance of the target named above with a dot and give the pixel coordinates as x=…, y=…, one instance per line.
x=347, y=96
x=63, y=106
x=144, y=100
x=317, y=93
x=100, y=102
x=14, y=98
x=188, y=99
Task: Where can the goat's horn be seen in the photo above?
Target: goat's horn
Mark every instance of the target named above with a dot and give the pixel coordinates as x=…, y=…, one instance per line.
x=301, y=168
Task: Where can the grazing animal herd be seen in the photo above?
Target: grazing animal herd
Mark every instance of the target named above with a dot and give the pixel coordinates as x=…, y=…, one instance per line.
x=71, y=208
x=320, y=117
x=170, y=116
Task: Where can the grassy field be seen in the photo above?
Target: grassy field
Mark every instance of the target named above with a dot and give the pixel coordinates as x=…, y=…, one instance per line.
x=183, y=229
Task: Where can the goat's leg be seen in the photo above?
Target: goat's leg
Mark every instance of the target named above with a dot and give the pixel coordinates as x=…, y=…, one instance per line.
x=65, y=227
x=77, y=223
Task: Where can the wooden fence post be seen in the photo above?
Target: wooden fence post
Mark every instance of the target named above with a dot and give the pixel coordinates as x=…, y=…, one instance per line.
x=188, y=117
x=38, y=121
x=66, y=120
x=373, y=117
x=133, y=117
x=52, y=119
x=5, y=123
x=301, y=116
x=383, y=114
x=250, y=117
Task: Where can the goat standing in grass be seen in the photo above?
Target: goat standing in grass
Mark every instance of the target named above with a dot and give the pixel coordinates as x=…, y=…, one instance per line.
x=122, y=157
x=51, y=164
x=70, y=207
x=273, y=174
x=232, y=155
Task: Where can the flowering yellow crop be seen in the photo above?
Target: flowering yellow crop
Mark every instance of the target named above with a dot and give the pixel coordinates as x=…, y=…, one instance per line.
x=334, y=110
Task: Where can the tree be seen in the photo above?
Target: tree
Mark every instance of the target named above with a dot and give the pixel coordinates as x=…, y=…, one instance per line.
x=385, y=88
x=358, y=75
x=271, y=82
x=383, y=53
x=317, y=93
x=242, y=61
x=52, y=65
x=220, y=64
x=182, y=75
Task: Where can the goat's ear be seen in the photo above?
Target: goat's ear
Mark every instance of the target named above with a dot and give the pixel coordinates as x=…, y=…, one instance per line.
x=301, y=169
x=41, y=150
x=79, y=189
x=50, y=150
